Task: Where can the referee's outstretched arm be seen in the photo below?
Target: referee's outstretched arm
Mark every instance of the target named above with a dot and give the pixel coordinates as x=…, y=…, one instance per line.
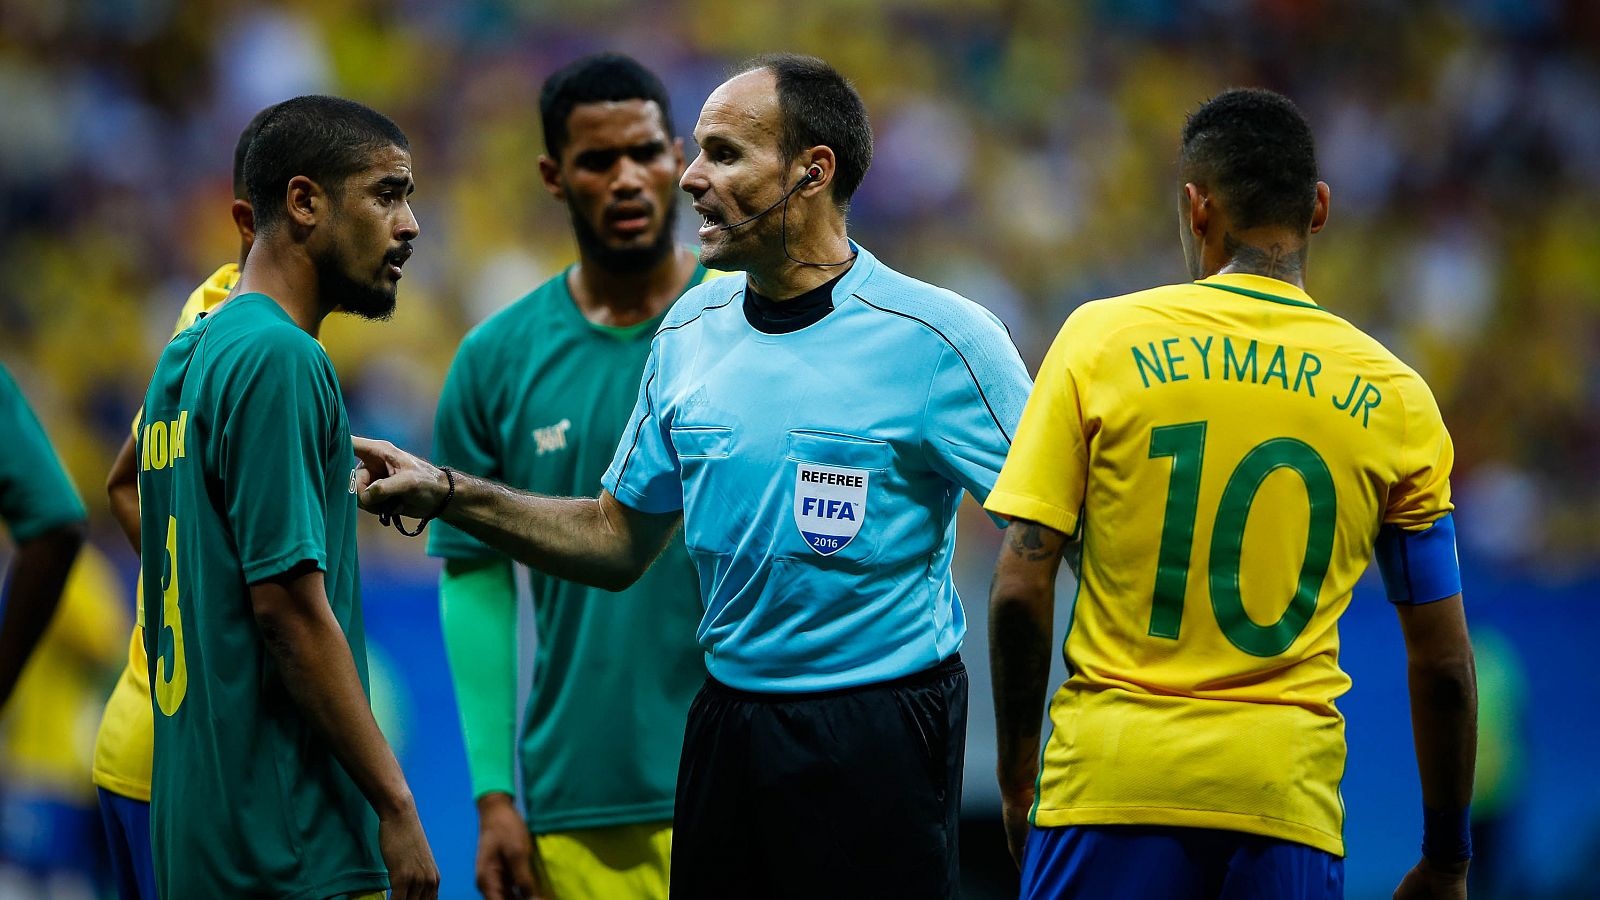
x=593, y=540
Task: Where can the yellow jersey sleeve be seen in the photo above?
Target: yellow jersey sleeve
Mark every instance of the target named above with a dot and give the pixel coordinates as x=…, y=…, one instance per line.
x=207, y=295
x=191, y=311
x=1047, y=470
x=1422, y=493
x=203, y=298
x=123, y=745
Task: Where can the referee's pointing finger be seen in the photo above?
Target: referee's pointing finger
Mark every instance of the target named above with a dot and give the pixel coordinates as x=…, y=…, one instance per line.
x=379, y=456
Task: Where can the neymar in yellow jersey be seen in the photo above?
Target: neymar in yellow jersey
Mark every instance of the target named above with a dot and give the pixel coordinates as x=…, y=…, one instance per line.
x=1220, y=460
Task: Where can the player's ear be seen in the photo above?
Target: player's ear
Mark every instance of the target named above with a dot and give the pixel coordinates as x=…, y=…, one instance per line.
x=677, y=155
x=550, y=174
x=244, y=220
x=1198, y=202
x=1319, y=212
x=307, y=201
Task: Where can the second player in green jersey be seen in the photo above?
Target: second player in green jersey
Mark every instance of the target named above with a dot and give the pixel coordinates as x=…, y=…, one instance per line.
x=536, y=398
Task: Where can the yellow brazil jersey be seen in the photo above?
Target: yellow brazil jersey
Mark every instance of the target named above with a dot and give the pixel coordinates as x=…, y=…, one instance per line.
x=1226, y=451
x=123, y=747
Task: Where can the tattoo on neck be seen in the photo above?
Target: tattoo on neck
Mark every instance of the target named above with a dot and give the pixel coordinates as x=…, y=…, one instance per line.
x=1277, y=261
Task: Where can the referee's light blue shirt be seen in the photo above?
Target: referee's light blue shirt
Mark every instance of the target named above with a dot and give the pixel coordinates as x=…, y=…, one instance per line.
x=819, y=472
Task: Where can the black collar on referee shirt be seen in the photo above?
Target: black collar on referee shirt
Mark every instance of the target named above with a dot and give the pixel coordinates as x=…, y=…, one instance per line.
x=772, y=317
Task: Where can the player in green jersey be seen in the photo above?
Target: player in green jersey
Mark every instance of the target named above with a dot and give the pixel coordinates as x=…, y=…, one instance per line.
x=536, y=398
x=42, y=511
x=271, y=777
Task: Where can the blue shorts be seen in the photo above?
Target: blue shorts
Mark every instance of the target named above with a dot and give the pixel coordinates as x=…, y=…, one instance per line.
x=1134, y=862
x=127, y=823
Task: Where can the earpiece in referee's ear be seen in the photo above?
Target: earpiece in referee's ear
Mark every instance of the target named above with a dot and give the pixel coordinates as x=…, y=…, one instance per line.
x=813, y=173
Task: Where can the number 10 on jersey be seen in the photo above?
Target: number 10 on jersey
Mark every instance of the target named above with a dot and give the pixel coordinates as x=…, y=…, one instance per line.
x=1185, y=444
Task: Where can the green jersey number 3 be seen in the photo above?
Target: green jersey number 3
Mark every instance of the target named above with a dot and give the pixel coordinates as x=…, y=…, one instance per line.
x=171, y=684
x=1185, y=444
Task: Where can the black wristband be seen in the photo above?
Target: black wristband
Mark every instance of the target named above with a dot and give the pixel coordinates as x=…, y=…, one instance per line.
x=449, y=494
x=1447, y=836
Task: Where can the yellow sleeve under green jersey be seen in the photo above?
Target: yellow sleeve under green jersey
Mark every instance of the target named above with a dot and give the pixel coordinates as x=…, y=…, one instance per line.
x=122, y=746
x=1228, y=452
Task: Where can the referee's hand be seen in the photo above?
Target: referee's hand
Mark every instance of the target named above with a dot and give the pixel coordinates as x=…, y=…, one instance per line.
x=390, y=481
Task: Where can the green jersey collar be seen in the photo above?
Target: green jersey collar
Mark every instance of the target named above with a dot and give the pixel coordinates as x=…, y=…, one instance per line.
x=626, y=332
x=1261, y=288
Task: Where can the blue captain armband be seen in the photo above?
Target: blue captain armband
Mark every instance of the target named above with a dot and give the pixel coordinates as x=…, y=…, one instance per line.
x=1419, y=566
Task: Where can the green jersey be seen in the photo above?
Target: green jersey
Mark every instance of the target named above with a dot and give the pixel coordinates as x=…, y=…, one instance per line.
x=537, y=398
x=35, y=493
x=246, y=799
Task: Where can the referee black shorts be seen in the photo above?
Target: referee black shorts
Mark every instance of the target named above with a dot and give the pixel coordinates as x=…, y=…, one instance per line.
x=839, y=794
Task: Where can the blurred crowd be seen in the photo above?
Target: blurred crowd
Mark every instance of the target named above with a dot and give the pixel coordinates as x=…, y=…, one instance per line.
x=1025, y=157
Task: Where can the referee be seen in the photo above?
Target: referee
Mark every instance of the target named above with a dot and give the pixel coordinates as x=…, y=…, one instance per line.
x=813, y=425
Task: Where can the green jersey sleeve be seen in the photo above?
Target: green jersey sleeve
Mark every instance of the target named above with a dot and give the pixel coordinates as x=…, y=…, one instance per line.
x=465, y=438
x=35, y=493
x=478, y=614
x=277, y=412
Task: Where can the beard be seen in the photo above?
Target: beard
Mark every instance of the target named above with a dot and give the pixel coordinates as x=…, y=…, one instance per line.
x=370, y=299
x=625, y=260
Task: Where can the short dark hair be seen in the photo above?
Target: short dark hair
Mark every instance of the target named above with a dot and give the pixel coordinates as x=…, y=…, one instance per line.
x=1255, y=147
x=240, y=192
x=599, y=78
x=820, y=106
x=326, y=139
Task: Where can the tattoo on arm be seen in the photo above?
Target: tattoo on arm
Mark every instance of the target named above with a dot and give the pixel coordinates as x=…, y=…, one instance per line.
x=1021, y=608
x=1019, y=657
x=1025, y=539
x=1277, y=261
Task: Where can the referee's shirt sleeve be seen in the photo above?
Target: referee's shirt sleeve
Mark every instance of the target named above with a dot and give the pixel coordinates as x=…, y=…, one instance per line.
x=974, y=402
x=644, y=473
x=1045, y=476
